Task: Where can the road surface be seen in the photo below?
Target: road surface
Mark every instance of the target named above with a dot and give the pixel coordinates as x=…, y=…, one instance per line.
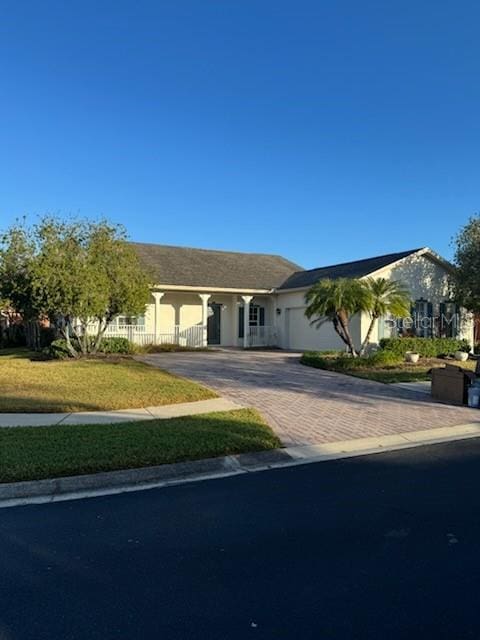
x=383, y=546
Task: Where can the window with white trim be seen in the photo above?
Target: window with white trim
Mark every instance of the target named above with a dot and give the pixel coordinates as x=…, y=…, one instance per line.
x=132, y=321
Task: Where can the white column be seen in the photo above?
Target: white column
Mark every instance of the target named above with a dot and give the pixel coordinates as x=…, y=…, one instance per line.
x=273, y=337
x=204, y=297
x=246, y=319
x=158, y=295
x=235, y=321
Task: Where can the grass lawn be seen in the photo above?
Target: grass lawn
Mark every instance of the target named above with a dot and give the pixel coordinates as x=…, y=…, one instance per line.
x=403, y=372
x=32, y=453
x=29, y=385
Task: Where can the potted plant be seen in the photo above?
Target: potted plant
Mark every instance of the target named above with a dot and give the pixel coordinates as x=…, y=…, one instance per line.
x=461, y=355
x=412, y=357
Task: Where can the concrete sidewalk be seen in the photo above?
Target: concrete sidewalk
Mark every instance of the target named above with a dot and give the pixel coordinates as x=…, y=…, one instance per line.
x=122, y=415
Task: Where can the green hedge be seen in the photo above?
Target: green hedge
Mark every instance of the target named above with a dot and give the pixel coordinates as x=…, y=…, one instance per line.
x=347, y=363
x=116, y=345
x=58, y=348
x=426, y=347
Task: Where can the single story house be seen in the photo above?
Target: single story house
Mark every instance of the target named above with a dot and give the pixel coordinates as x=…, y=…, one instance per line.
x=204, y=297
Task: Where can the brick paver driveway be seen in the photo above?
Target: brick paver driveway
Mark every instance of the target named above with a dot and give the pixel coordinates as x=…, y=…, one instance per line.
x=306, y=405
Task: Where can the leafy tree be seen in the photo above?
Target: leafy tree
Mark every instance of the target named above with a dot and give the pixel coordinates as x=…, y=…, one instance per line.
x=466, y=278
x=17, y=251
x=337, y=301
x=384, y=296
x=80, y=274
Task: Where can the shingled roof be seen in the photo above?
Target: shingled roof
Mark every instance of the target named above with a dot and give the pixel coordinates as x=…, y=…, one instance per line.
x=220, y=269
x=355, y=269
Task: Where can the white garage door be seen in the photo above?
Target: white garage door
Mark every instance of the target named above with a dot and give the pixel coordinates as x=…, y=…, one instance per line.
x=302, y=336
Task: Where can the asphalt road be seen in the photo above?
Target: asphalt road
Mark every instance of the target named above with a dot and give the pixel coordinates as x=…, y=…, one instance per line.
x=384, y=546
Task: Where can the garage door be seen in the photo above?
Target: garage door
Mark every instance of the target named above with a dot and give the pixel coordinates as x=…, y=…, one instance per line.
x=303, y=337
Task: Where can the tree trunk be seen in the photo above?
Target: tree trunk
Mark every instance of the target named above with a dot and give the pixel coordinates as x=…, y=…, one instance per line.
x=339, y=330
x=343, y=320
x=65, y=330
x=102, y=327
x=85, y=337
x=32, y=335
x=368, y=336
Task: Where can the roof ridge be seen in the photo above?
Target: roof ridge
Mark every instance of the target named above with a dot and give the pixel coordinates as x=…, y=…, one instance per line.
x=226, y=251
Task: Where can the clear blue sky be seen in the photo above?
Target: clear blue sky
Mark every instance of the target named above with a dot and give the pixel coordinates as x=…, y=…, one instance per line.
x=323, y=131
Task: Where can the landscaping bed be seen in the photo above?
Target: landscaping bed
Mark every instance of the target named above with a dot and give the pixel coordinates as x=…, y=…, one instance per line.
x=100, y=384
x=380, y=367
x=34, y=453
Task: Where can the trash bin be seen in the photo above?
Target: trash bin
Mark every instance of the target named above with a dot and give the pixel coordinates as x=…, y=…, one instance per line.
x=450, y=384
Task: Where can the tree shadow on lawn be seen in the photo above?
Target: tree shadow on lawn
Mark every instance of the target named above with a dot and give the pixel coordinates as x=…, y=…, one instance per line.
x=39, y=405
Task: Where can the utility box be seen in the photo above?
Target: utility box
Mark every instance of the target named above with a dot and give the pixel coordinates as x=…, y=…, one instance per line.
x=450, y=384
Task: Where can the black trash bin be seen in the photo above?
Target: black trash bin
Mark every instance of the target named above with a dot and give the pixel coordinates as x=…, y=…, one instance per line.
x=450, y=384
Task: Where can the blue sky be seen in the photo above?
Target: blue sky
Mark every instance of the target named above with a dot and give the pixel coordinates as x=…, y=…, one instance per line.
x=323, y=131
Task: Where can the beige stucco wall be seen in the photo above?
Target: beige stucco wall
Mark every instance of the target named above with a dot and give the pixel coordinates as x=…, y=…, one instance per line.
x=294, y=330
x=185, y=310
x=424, y=277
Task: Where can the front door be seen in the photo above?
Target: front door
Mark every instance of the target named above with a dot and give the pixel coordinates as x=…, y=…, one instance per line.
x=213, y=323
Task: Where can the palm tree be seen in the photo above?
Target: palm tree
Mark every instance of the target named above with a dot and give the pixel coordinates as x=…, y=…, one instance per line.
x=336, y=301
x=384, y=296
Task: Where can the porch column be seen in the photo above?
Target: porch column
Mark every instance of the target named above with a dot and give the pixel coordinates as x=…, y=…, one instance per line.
x=204, y=297
x=235, y=321
x=246, y=319
x=158, y=295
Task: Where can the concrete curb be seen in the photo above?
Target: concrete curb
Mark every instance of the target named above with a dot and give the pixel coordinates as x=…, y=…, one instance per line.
x=113, y=482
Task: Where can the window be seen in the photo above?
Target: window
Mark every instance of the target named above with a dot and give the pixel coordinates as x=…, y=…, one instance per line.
x=256, y=318
x=423, y=318
x=448, y=320
x=136, y=321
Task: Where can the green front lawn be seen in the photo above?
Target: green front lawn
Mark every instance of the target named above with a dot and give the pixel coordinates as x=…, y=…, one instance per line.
x=401, y=372
x=32, y=453
x=29, y=385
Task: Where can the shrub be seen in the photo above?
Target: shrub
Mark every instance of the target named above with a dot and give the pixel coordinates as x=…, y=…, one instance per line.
x=58, y=348
x=426, y=347
x=168, y=347
x=383, y=359
x=347, y=363
x=116, y=345
x=316, y=359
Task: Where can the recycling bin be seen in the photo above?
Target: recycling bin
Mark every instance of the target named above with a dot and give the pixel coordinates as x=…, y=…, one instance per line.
x=450, y=384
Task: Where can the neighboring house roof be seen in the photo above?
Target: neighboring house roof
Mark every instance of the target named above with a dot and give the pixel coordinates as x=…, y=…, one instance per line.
x=183, y=266
x=355, y=269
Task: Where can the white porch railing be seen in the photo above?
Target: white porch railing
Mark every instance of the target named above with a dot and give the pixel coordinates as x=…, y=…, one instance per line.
x=184, y=337
x=264, y=336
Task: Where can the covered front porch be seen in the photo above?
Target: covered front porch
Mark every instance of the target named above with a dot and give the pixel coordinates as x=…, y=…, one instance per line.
x=202, y=318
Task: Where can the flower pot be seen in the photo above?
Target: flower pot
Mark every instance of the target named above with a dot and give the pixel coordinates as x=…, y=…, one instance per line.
x=462, y=356
x=411, y=357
